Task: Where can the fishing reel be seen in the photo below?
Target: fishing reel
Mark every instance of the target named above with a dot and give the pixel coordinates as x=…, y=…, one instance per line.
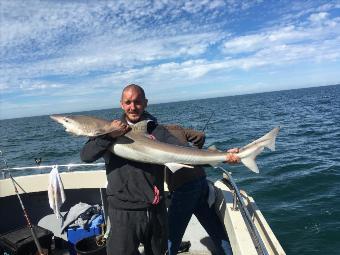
x=101, y=239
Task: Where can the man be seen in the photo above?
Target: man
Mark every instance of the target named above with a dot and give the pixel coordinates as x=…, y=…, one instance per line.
x=135, y=190
x=136, y=206
x=189, y=195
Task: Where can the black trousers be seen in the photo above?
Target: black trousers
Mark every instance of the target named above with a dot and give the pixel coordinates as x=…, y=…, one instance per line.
x=129, y=228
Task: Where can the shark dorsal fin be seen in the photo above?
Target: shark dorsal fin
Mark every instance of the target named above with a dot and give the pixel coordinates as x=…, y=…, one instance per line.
x=140, y=127
x=213, y=148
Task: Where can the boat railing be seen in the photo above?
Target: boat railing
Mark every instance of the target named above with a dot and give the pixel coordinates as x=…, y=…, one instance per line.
x=44, y=168
x=238, y=204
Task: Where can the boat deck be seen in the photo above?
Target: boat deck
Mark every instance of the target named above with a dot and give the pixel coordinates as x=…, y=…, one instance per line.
x=201, y=243
x=85, y=187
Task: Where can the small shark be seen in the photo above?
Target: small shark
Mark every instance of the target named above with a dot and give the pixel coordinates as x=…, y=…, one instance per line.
x=136, y=145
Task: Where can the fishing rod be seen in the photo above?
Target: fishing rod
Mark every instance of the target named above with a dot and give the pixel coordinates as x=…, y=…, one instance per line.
x=255, y=234
x=35, y=239
x=206, y=124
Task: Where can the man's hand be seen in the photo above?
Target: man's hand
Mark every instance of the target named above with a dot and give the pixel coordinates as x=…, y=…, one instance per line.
x=231, y=156
x=233, y=150
x=119, y=128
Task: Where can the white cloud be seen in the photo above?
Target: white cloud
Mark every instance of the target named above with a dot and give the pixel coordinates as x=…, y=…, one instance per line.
x=101, y=55
x=285, y=35
x=198, y=6
x=276, y=38
x=87, y=48
x=29, y=85
x=244, y=44
x=318, y=17
x=3, y=86
x=39, y=25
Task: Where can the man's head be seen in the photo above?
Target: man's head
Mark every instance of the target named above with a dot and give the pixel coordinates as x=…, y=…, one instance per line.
x=133, y=102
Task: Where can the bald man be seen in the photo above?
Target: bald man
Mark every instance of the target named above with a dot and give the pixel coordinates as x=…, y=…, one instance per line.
x=135, y=191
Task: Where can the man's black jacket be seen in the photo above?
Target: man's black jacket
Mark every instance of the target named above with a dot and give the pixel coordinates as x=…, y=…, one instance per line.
x=131, y=185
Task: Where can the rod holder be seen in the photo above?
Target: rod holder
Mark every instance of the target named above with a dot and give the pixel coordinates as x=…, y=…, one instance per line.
x=235, y=207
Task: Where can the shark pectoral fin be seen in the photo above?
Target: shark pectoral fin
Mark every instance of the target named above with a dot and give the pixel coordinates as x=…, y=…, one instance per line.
x=175, y=166
x=249, y=160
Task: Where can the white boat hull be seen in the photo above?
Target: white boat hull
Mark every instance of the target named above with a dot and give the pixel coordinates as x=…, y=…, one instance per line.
x=83, y=186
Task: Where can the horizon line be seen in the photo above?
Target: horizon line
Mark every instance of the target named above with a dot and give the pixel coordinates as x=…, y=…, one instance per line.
x=194, y=99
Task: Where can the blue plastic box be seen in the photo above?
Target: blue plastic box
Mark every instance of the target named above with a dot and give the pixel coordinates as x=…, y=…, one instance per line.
x=74, y=235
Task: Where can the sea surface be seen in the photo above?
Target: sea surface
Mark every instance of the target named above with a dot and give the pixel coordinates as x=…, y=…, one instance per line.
x=298, y=187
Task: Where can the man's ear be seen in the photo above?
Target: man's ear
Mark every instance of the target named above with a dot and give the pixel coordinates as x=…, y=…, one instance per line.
x=145, y=103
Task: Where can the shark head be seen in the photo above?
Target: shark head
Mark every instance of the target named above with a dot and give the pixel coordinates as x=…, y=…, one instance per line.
x=83, y=125
x=70, y=124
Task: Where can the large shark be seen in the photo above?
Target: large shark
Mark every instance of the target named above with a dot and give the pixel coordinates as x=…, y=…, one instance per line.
x=136, y=145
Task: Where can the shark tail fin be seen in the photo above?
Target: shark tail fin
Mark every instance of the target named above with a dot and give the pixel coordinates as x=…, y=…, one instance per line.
x=249, y=160
x=249, y=152
x=268, y=140
x=271, y=136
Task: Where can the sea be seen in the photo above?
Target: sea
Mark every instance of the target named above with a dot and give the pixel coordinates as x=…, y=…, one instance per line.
x=298, y=187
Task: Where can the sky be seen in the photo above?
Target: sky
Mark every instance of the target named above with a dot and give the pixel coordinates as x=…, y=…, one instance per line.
x=68, y=56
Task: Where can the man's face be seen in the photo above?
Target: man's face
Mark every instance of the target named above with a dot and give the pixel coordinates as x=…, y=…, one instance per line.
x=133, y=104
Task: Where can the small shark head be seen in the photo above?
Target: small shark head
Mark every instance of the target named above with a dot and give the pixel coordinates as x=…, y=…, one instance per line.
x=83, y=125
x=71, y=124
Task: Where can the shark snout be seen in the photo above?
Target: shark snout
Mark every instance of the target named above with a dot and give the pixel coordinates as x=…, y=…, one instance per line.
x=57, y=118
